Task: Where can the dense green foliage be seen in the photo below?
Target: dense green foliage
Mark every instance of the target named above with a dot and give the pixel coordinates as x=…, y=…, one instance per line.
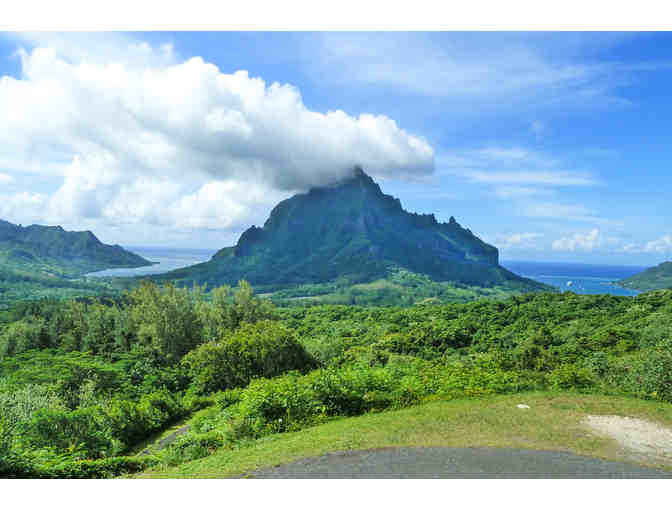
x=659, y=277
x=264, y=349
x=348, y=234
x=82, y=382
x=398, y=288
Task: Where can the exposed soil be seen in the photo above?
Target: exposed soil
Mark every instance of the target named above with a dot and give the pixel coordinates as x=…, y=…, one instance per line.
x=642, y=440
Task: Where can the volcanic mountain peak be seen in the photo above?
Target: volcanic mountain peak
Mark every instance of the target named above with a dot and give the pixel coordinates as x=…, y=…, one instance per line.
x=350, y=230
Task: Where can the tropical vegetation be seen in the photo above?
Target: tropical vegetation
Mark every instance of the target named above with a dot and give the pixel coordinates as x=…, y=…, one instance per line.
x=83, y=382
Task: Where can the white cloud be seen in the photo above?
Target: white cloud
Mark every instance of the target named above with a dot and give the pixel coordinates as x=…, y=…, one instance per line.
x=515, y=173
x=99, y=47
x=524, y=70
x=661, y=245
x=555, y=210
x=144, y=138
x=30, y=204
x=521, y=191
x=540, y=177
x=6, y=179
x=584, y=241
x=513, y=166
x=518, y=240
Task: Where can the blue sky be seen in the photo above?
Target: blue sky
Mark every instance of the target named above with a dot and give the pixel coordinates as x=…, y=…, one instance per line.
x=551, y=146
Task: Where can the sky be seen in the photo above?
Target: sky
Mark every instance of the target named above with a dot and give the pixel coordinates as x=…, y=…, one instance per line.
x=552, y=146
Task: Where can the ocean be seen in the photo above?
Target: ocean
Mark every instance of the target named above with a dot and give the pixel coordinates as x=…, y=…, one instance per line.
x=167, y=258
x=578, y=278
x=584, y=278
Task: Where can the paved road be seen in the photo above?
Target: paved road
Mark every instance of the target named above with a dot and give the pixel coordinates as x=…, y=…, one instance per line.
x=455, y=463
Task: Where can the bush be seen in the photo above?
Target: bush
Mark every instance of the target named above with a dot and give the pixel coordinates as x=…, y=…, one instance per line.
x=264, y=349
x=102, y=430
x=570, y=377
x=102, y=468
x=191, y=447
x=654, y=372
x=64, y=430
x=293, y=401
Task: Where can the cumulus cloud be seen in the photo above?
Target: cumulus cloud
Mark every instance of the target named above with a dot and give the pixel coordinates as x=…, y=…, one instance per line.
x=661, y=245
x=6, y=179
x=30, y=204
x=160, y=141
x=584, y=241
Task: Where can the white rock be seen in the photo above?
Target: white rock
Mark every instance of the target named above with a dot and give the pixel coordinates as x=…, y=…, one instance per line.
x=523, y=406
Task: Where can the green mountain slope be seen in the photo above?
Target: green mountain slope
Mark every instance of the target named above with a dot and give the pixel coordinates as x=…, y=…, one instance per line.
x=54, y=252
x=659, y=277
x=352, y=233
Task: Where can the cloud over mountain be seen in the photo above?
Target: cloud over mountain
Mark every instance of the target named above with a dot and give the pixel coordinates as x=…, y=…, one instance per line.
x=167, y=140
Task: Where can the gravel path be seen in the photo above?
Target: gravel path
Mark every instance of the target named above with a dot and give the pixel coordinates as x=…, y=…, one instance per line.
x=455, y=463
x=165, y=441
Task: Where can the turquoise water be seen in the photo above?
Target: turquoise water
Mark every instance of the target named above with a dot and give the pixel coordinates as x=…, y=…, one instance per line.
x=578, y=278
x=167, y=258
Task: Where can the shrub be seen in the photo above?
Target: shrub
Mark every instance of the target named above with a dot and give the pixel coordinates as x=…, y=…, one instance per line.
x=293, y=401
x=63, y=430
x=109, y=467
x=570, y=377
x=264, y=349
x=653, y=373
x=191, y=447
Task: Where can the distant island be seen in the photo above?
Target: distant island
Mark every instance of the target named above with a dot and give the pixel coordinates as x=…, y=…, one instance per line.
x=351, y=234
x=659, y=277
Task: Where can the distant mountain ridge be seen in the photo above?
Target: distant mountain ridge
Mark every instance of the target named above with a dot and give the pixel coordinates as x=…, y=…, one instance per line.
x=352, y=231
x=53, y=250
x=658, y=277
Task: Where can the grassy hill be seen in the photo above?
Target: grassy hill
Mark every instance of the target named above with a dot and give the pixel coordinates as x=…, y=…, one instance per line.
x=46, y=262
x=659, y=277
x=52, y=251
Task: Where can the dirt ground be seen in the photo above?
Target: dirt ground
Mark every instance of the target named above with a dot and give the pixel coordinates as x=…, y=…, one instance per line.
x=642, y=440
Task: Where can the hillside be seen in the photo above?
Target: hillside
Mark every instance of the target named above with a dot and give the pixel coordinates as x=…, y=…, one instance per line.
x=352, y=233
x=659, y=277
x=52, y=251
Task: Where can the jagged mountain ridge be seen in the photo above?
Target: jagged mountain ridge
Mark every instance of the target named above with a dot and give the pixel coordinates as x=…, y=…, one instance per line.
x=352, y=231
x=53, y=249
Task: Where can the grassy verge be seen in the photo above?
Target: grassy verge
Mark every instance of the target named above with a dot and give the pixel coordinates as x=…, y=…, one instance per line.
x=553, y=422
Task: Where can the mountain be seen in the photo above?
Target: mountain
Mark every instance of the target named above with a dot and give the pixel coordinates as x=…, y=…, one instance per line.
x=659, y=277
x=57, y=252
x=351, y=232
